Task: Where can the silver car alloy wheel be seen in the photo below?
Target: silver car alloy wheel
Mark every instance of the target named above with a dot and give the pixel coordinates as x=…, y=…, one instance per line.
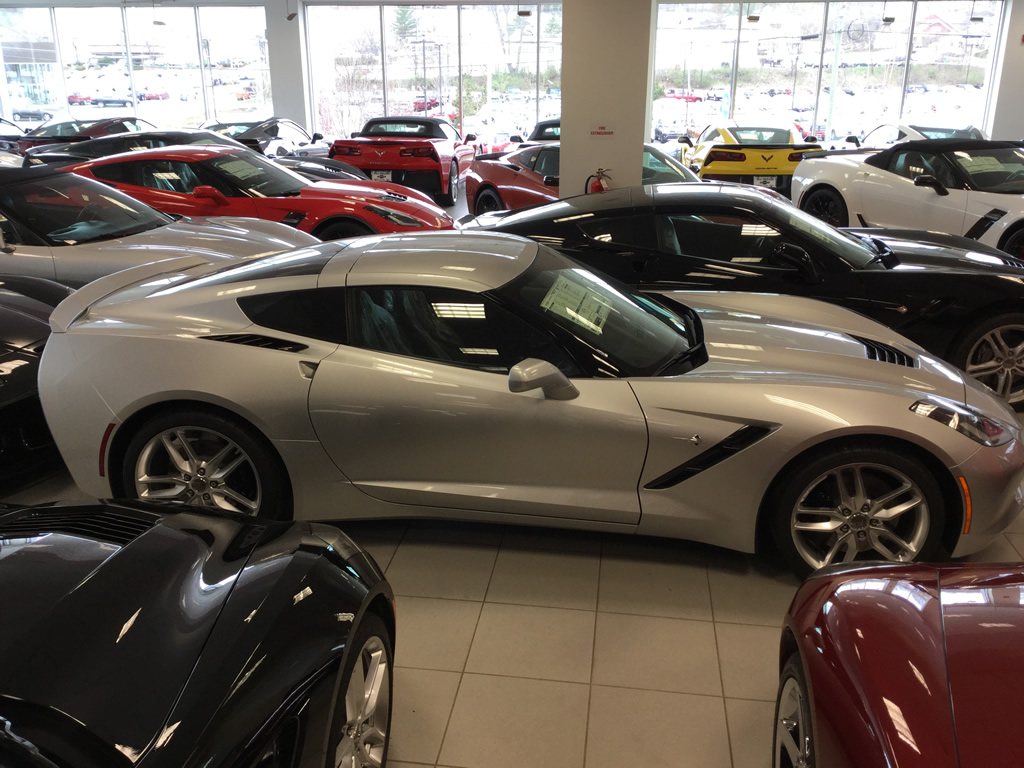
x=792, y=734
x=365, y=735
x=860, y=507
x=997, y=361
x=198, y=466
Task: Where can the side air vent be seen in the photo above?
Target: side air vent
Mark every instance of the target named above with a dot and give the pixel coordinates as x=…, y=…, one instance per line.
x=742, y=438
x=876, y=350
x=255, y=340
x=118, y=526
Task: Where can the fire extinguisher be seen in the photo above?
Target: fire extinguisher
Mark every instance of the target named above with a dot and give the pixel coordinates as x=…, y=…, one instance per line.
x=598, y=182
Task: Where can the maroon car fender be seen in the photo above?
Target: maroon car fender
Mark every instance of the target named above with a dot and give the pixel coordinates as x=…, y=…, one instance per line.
x=873, y=653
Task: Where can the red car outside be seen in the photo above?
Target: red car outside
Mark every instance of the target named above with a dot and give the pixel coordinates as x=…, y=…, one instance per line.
x=420, y=152
x=80, y=130
x=419, y=105
x=209, y=180
x=912, y=665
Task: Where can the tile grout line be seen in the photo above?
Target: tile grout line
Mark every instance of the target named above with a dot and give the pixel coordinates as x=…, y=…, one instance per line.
x=593, y=654
x=476, y=627
x=721, y=677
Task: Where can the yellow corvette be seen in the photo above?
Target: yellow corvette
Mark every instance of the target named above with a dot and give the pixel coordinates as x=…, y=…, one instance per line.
x=758, y=155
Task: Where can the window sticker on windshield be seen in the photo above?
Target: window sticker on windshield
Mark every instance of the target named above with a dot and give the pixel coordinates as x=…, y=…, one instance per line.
x=576, y=304
x=978, y=163
x=240, y=169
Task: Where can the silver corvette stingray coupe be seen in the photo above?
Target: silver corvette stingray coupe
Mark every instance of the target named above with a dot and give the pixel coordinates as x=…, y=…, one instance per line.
x=483, y=376
x=71, y=229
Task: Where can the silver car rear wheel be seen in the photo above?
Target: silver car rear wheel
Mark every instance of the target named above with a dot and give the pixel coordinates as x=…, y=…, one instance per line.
x=198, y=466
x=794, y=744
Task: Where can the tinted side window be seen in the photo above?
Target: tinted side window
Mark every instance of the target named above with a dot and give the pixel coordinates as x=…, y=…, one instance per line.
x=463, y=329
x=724, y=237
x=168, y=175
x=547, y=162
x=627, y=230
x=119, y=173
x=315, y=314
x=912, y=164
x=528, y=159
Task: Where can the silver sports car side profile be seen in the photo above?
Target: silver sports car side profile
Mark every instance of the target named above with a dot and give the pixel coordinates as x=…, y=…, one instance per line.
x=483, y=376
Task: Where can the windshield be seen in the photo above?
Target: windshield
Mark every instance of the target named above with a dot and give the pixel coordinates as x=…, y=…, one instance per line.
x=408, y=128
x=628, y=334
x=762, y=135
x=949, y=133
x=256, y=175
x=66, y=209
x=70, y=128
x=659, y=168
x=232, y=129
x=993, y=170
x=847, y=247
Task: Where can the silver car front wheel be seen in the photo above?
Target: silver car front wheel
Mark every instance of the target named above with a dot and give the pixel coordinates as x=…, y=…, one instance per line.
x=993, y=353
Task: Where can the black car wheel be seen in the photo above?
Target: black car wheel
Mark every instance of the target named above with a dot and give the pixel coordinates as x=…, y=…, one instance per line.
x=341, y=230
x=488, y=200
x=856, y=503
x=1014, y=244
x=827, y=204
x=451, y=197
x=207, y=459
x=793, y=742
x=992, y=351
x=360, y=730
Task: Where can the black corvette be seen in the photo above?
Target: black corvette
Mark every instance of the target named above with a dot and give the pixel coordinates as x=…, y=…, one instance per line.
x=960, y=300
x=314, y=168
x=25, y=307
x=172, y=636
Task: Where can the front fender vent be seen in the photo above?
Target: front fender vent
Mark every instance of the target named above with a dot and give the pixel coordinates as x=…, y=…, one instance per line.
x=114, y=525
x=256, y=340
x=741, y=439
x=876, y=350
x=393, y=197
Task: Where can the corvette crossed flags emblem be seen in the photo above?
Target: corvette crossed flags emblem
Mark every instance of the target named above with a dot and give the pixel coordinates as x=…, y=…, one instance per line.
x=766, y=158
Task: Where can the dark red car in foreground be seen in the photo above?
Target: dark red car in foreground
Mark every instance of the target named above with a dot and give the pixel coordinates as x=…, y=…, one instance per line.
x=913, y=666
x=209, y=180
x=80, y=130
x=425, y=153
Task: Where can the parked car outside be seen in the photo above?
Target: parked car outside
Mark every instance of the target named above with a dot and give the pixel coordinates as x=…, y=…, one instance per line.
x=276, y=136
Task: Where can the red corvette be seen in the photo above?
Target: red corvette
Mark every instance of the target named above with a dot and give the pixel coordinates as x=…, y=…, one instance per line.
x=903, y=665
x=530, y=175
x=420, y=152
x=205, y=180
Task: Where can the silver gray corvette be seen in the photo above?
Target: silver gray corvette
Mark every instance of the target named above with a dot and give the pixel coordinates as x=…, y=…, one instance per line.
x=482, y=376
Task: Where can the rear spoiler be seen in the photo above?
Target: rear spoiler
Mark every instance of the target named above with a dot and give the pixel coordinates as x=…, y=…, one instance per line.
x=765, y=147
x=491, y=156
x=76, y=305
x=832, y=152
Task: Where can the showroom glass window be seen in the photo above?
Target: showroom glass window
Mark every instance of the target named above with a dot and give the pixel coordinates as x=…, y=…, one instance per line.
x=34, y=86
x=236, y=68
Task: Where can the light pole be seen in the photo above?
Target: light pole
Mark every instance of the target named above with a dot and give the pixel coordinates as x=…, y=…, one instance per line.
x=796, y=63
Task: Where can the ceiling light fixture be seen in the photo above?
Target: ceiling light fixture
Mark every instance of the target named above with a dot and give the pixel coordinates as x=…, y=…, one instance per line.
x=523, y=11
x=289, y=15
x=887, y=19
x=156, y=21
x=975, y=17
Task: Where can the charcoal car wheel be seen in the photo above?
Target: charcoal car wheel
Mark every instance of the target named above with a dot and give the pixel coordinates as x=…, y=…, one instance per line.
x=992, y=351
x=343, y=229
x=360, y=729
x=827, y=205
x=1014, y=244
x=451, y=197
x=793, y=742
x=858, y=503
x=488, y=200
x=209, y=460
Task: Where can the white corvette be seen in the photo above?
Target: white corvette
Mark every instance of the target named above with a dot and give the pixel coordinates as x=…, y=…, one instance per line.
x=963, y=187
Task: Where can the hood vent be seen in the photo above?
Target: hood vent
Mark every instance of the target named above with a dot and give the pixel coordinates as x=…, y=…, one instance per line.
x=392, y=197
x=876, y=350
x=112, y=524
x=255, y=340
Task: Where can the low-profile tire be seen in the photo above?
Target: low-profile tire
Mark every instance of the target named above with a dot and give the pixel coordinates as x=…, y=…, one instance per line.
x=488, y=200
x=826, y=204
x=793, y=740
x=992, y=351
x=341, y=230
x=16, y=116
x=208, y=459
x=360, y=729
x=451, y=196
x=857, y=502
x=1014, y=244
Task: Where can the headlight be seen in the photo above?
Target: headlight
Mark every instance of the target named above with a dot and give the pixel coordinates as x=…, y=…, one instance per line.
x=395, y=217
x=967, y=421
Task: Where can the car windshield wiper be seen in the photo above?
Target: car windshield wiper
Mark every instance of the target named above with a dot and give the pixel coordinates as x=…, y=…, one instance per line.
x=884, y=254
x=678, y=359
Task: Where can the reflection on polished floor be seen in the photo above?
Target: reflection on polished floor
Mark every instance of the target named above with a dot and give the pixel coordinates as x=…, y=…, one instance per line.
x=552, y=649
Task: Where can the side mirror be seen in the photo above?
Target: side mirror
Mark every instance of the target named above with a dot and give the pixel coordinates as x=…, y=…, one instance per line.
x=532, y=374
x=797, y=257
x=354, y=135
x=470, y=137
x=927, y=180
x=4, y=247
x=684, y=139
x=213, y=194
x=853, y=140
x=517, y=139
x=318, y=137
x=812, y=139
x=550, y=181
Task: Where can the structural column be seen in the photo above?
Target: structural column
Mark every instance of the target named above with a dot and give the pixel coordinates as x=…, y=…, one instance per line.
x=607, y=48
x=1007, y=117
x=286, y=51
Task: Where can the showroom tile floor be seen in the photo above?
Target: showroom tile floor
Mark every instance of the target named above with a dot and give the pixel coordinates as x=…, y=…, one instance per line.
x=551, y=649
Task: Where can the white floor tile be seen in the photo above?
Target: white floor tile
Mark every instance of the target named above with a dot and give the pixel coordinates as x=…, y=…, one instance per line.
x=751, y=725
x=421, y=705
x=428, y=568
x=528, y=641
x=651, y=580
x=745, y=590
x=435, y=633
x=565, y=579
x=748, y=656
